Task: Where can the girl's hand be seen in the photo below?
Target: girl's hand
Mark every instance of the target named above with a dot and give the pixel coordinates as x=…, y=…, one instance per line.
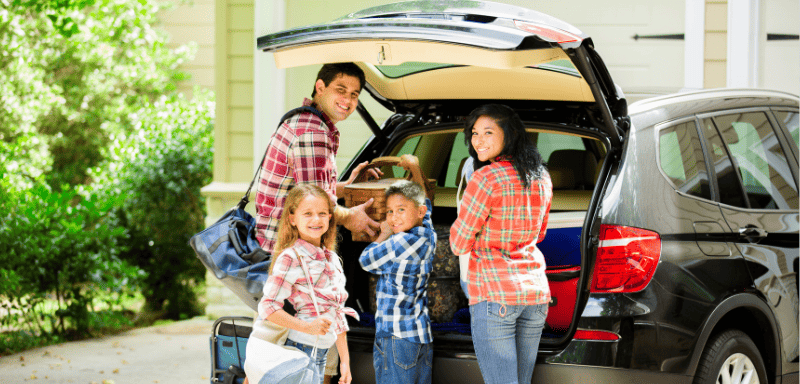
x=318, y=327
x=344, y=370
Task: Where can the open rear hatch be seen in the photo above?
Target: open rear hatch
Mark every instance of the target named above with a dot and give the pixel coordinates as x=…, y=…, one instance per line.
x=417, y=52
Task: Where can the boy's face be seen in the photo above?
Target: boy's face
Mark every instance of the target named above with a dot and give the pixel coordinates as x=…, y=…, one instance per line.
x=339, y=98
x=403, y=214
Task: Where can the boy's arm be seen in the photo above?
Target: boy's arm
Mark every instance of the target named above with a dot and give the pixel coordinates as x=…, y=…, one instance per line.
x=411, y=163
x=377, y=256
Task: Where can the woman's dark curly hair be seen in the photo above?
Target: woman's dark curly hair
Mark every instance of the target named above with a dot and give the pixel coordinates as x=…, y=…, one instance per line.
x=516, y=143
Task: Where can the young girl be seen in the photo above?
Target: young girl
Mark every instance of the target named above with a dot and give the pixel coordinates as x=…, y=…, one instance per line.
x=307, y=229
x=502, y=216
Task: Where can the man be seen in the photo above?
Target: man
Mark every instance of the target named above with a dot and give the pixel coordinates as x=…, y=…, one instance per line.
x=303, y=150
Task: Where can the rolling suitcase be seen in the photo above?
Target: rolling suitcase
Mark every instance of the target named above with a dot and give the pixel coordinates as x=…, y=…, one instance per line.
x=228, y=343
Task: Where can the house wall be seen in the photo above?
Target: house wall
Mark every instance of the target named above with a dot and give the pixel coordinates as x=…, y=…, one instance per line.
x=193, y=23
x=251, y=92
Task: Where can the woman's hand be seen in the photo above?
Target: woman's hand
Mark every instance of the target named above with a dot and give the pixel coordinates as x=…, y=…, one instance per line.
x=318, y=327
x=344, y=371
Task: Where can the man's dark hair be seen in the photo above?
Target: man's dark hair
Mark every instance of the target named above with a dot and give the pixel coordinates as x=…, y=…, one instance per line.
x=330, y=72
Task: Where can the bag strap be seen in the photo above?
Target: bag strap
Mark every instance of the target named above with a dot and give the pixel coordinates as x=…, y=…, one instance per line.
x=306, y=108
x=313, y=294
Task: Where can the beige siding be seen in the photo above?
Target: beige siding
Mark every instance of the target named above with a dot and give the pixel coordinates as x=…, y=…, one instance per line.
x=716, y=44
x=193, y=22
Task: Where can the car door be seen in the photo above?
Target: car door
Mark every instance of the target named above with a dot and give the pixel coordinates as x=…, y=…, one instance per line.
x=761, y=212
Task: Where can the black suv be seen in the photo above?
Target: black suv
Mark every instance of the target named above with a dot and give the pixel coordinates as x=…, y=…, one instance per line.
x=672, y=247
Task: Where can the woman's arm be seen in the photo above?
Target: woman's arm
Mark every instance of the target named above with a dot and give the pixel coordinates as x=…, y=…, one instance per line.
x=344, y=359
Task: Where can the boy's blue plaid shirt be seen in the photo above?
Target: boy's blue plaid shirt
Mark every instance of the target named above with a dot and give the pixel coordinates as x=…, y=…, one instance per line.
x=403, y=263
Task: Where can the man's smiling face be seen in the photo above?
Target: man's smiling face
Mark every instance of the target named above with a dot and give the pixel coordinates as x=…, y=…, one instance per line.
x=339, y=98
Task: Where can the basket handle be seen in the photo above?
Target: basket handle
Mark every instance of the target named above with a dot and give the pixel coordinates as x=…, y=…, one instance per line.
x=393, y=161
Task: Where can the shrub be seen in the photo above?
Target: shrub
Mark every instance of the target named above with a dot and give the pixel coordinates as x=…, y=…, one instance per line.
x=60, y=262
x=158, y=170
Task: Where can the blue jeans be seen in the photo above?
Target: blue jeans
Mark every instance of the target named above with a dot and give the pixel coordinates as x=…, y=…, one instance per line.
x=322, y=355
x=398, y=360
x=507, y=336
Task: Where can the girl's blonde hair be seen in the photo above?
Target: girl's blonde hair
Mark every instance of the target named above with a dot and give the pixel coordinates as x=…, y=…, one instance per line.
x=288, y=233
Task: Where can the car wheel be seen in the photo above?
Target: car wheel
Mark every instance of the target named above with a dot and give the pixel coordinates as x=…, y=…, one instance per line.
x=731, y=357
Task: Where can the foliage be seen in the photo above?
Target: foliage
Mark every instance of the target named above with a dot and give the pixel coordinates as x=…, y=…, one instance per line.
x=159, y=168
x=63, y=95
x=60, y=260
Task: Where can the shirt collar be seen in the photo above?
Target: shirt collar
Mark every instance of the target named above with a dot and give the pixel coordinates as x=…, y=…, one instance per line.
x=503, y=158
x=333, y=132
x=312, y=251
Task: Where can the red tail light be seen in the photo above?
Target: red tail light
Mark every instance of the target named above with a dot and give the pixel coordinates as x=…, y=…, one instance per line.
x=584, y=334
x=626, y=259
x=546, y=32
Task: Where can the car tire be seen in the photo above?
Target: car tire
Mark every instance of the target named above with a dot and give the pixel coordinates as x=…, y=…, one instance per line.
x=731, y=357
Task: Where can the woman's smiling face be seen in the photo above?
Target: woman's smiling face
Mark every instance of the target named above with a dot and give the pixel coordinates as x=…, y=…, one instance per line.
x=487, y=138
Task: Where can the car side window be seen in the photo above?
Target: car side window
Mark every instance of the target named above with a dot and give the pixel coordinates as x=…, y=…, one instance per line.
x=681, y=159
x=760, y=160
x=790, y=121
x=730, y=191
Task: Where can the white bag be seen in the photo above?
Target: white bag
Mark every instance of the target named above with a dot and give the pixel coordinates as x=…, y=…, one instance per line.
x=463, y=259
x=272, y=363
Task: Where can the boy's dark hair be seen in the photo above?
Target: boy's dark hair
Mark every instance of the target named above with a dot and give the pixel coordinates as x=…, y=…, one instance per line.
x=329, y=72
x=516, y=142
x=408, y=189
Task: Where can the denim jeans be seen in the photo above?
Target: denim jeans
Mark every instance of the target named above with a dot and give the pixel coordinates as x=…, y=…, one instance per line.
x=507, y=336
x=322, y=356
x=398, y=360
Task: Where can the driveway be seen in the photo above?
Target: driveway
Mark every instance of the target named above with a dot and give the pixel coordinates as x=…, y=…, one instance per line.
x=172, y=353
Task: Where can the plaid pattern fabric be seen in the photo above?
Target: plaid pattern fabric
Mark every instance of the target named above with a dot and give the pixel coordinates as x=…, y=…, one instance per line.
x=403, y=263
x=301, y=150
x=288, y=281
x=497, y=217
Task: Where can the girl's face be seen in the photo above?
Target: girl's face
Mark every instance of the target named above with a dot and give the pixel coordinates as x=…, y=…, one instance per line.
x=487, y=138
x=311, y=218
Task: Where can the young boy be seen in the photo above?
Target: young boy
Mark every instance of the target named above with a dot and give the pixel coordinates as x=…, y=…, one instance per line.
x=402, y=256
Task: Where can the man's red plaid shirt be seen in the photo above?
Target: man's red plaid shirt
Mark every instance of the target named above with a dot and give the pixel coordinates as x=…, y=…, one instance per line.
x=302, y=150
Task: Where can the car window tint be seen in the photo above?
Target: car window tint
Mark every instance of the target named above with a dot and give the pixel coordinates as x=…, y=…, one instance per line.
x=757, y=153
x=790, y=121
x=409, y=146
x=681, y=159
x=457, y=156
x=730, y=191
x=549, y=142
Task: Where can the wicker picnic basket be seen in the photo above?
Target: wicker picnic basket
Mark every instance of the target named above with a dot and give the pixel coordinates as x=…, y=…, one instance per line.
x=360, y=191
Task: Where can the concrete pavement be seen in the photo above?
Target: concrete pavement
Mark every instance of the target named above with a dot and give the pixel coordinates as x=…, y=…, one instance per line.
x=172, y=353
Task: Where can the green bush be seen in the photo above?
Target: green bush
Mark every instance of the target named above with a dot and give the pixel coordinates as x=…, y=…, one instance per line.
x=158, y=170
x=71, y=77
x=60, y=264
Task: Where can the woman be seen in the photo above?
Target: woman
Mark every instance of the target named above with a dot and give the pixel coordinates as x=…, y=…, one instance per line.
x=502, y=216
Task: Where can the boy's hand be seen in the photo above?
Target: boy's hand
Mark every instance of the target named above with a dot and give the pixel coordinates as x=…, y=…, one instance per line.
x=344, y=371
x=407, y=161
x=318, y=327
x=386, y=232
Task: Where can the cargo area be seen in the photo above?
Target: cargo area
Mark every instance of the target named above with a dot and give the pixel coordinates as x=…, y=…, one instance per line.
x=573, y=162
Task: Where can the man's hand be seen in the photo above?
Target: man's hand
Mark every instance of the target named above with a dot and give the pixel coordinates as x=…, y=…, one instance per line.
x=357, y=220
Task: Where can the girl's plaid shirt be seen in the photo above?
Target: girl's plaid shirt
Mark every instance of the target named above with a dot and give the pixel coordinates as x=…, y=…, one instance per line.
x=494, y=221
